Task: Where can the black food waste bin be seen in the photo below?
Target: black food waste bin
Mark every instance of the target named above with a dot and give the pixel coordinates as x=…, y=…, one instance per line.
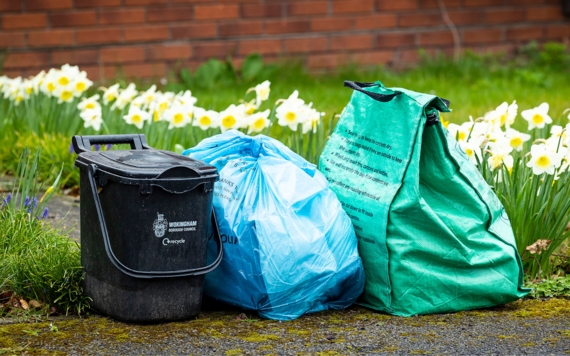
x=146, y=218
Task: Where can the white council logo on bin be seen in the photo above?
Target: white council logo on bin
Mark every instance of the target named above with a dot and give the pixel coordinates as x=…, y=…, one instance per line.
x=161, y=226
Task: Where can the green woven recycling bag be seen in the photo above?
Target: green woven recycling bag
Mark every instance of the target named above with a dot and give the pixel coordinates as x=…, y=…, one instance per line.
x=432, y=235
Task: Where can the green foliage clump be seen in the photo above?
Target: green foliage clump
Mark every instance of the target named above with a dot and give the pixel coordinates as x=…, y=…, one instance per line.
x=554, y=287
x=37, y=261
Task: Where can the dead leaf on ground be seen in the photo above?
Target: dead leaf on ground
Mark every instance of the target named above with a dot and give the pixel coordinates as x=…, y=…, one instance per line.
x=538, y=246
x=242, y=316
x=24, y=304
x=34, y=304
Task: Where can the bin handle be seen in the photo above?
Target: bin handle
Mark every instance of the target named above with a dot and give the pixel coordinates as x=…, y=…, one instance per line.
x=83, y=143
x=91, y=169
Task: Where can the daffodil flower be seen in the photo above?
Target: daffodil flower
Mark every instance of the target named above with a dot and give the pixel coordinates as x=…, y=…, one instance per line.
x=125, y=97
x=262, y=91
x=460, y=132
x=92, y=118
x=258, y=121
x=506, y=114
x=516, y=139
x=89, y=103
x=178, y=115
x=291, y=112
x=472, y=150
x=537, y=117
x=543, y=160
x=111, y=94
x=186, y=98
x=136, y=117
x=205, y=119
x=232, y=117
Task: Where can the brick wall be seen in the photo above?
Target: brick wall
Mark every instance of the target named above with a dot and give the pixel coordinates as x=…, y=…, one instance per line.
x=144, y=38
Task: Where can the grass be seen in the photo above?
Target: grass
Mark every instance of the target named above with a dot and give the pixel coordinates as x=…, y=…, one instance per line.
x=37, y=261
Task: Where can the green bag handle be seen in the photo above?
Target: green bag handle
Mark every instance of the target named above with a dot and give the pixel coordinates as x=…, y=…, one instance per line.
x=358, y=86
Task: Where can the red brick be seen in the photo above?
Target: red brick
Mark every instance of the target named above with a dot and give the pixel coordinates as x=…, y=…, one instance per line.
x=146, y=70
x=373, y=58
x=21, y=21
x=10, y=5
x=286, y=26
x=92, y=36
x=392, y=5
x=558, y=32
x=93, y=71
x=375, y=21
x=352, y=6
x=476, y=3
x=214, y=12
x=299, y=45
x=469, y=17
x=193, y=31
x=261, y=10
x=499, y=48
x=145, y=2
x=14, y=73
x=394, y=40
x=308, y=8
x=524, y=2
x=433, y=4
x=242, y=28
x=75, y=57
x=53, y=38
x=260, y=46
x=32, y=5
x=97, y=3
x=169, y=52
x=482, y=36
x=214, y=49
x=12, y=40
x=168, y=15
x=27, y=60
x=330, y=24
x=327, y=60
x=122, y=54
x=74, y=19
x=545, y=13
x=419, y=20
x=146, y=33
x=436, y=38
x=109, y=72
x=122, y=16
x=412, y=55
x=502, y=16
x=351, y=42
x=525, y=33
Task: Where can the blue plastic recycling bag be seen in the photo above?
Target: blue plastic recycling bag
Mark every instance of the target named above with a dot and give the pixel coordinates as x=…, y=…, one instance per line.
x=289, y=247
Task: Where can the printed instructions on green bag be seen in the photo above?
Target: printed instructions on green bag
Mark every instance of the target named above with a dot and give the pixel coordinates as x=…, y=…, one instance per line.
x=361, y=169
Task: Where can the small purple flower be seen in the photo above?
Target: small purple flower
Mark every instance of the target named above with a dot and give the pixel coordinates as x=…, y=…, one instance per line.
x=35, y=202
x=6, y=200
x=27, y=201
x=45, y=213
x=108, y=147
x=71, y=150
x=97, y=147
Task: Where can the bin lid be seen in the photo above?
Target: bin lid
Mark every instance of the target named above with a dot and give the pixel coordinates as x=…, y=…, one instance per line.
x=148, y=163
